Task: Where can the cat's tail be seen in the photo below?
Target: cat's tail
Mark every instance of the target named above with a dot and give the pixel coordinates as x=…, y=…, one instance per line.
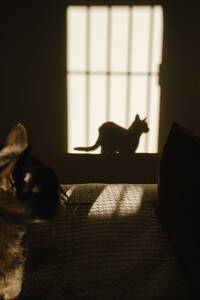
x=87, y=149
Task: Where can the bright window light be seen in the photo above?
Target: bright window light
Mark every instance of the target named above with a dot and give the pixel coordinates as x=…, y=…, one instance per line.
x=113, y=58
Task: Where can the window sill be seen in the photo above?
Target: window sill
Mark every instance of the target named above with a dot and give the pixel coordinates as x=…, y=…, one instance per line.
x=86, y=168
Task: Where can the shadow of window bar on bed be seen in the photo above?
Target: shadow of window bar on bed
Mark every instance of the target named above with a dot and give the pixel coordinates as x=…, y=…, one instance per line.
x=113, y=58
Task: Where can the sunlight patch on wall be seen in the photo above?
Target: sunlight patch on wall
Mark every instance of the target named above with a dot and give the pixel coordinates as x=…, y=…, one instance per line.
x=113, y=58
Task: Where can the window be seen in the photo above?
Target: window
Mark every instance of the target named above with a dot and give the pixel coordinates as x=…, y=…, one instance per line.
x=113, y=59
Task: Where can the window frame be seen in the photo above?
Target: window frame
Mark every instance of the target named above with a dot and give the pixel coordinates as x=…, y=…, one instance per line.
x=87, y=168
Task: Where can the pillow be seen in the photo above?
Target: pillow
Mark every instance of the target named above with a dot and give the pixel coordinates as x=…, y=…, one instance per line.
x=178, y=203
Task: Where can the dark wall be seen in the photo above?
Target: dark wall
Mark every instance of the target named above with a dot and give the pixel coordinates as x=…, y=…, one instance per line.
x=32, y=58
x=180, y=81
x=33, y=73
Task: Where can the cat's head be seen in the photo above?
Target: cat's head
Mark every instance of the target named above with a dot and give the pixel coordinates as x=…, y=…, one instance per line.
x=28, y=188
x=142, y=124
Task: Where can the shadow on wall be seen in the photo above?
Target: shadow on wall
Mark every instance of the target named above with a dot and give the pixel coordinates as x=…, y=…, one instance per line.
x=115, y=139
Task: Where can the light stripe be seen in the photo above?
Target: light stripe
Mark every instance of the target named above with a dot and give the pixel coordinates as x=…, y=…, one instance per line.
x=149, y=68
x=129, y=56
x=87, y=123
x=108, y=64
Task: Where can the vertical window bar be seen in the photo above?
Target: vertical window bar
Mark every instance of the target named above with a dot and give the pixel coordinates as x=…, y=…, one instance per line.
x=149, y=70
x=87, y=75
x=108, y=64
x=129, y=56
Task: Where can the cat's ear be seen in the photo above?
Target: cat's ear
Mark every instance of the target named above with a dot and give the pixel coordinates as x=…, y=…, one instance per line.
x=137, y=118
x=144, y=119
x=17, y=139
x=15, y=143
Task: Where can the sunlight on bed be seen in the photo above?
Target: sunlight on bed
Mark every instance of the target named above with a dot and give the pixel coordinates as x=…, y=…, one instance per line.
x=117, y=200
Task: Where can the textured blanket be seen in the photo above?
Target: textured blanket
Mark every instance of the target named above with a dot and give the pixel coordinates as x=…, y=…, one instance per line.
x=106, y=243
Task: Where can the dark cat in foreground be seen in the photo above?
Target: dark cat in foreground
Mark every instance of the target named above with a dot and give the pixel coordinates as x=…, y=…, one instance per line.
x=29, y=192
x=116, y=139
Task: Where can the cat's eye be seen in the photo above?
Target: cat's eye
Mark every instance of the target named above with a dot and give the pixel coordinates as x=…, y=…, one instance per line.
x=27, y=177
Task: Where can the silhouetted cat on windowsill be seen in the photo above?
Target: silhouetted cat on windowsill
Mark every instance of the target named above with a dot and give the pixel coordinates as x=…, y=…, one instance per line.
x=116, y=139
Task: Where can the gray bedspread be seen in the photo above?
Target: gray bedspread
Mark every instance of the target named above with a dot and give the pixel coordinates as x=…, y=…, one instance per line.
x=106, y=243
